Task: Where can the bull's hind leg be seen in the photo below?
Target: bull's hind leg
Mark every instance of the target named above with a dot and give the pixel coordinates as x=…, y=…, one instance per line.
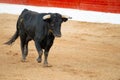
x=24, y=47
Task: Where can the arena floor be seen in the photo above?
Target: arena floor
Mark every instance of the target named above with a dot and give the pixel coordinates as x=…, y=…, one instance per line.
x=86, y=51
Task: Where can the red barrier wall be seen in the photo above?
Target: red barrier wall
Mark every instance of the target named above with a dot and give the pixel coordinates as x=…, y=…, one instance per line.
x=95, y=5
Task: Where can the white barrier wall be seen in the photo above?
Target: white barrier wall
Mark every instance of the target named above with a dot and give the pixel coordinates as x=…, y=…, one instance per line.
x=79, y=15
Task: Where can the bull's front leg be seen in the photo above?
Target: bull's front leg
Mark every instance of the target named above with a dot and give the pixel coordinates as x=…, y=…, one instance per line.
x=45, y=59
x=40, y=51
x=46, y=52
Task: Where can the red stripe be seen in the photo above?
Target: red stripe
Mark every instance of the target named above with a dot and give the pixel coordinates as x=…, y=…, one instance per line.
x=95, y=5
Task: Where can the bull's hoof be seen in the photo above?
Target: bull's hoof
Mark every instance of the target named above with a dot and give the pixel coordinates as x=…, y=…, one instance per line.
x=39, y=60
x=23, y=60
x=47, y=65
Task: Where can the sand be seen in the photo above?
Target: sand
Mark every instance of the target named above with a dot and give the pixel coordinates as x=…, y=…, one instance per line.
x=86, y=51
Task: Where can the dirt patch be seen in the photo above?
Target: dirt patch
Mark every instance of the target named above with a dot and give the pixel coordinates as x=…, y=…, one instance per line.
x=86, y=51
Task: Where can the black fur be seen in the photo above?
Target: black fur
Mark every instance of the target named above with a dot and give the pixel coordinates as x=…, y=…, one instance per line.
x=31, y=26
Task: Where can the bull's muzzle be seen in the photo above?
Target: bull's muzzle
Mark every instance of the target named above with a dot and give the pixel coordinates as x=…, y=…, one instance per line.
x=57, y=35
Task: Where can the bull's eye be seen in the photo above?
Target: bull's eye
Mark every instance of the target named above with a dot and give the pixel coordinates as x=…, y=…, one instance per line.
x=52, y=24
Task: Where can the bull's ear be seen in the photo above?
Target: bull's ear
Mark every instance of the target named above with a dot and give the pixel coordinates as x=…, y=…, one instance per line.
x=65, y=18
x=46, y=17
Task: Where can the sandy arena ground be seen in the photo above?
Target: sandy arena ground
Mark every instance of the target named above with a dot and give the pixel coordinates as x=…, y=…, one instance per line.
x=86, y=51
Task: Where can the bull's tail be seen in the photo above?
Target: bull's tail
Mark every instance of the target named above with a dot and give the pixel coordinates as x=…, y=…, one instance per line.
x=18, y=25
x=14, y=37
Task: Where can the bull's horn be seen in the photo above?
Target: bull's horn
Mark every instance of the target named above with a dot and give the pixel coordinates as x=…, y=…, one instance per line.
x=46, y=17
x=64, y=16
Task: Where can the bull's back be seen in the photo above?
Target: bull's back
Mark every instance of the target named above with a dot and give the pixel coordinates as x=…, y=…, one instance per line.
x=31, y=17
x=32, y=22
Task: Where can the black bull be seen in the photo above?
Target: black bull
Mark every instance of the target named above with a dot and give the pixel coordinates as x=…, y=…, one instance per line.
x=40, y=27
